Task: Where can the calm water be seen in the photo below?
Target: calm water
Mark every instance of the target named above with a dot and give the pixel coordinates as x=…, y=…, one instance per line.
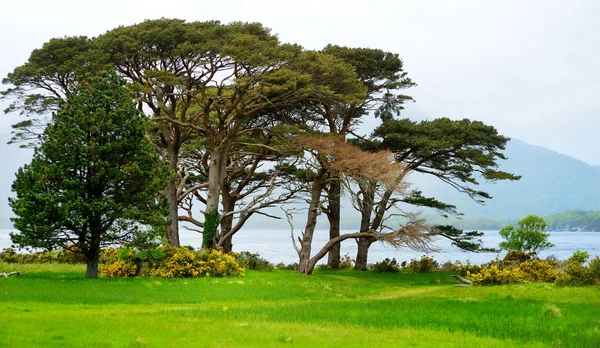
x=276, y=246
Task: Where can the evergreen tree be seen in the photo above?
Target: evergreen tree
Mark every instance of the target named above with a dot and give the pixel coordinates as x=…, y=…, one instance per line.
x=94, y=179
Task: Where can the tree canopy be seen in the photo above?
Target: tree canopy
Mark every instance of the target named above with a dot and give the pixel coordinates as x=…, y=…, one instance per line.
x=529, y=236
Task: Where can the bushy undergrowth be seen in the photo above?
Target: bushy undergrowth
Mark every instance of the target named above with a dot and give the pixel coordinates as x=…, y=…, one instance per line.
x=69, y=254
x=386, y=265
x=520, y=267
x=252, y=261
x=168, y=262
x=425, y=264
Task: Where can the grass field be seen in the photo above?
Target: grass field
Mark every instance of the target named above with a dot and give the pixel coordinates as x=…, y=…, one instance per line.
x=53, y=305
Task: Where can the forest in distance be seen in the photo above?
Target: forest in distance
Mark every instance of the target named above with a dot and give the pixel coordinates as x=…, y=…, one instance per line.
x=572, y=220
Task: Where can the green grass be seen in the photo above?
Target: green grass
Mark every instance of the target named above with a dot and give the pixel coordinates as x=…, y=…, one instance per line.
x=52, y=305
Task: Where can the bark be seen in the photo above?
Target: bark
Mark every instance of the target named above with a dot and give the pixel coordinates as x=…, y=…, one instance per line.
x=216, y=175
x=362, y=254
x=92, y=252
x=366, y=211
x=92, y=265
x=304, y=265
x=171, y=193
x=227, y=220
x=334, y=216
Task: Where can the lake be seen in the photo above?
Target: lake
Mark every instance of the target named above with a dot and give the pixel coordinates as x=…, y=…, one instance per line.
x=276, y=246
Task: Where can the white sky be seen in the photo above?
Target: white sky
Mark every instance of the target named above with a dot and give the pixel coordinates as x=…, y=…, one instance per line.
x=529, y=68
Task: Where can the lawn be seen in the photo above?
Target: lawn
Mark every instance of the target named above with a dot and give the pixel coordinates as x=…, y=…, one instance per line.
x=53, y=305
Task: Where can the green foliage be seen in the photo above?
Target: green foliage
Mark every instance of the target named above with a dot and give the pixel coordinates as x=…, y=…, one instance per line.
x=425, y=264
x=574, y=220
x=287, y=267
x=515, y=257
x=252, y=261
x=211, y=223
x=387, y=265
x=529, y=236
x=70, y=254
x=95, y=176
x=465, y=240
x=576, y=273
x=168, y=262
x=580, y=256
x=453, y=151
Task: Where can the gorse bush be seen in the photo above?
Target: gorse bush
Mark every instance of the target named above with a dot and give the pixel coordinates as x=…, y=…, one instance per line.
x=68, y=255
x=528, y=271
x=425, y=264
x=386, y=265
x=516, y=257
x=576, y=273
x=168, y=262
x=252, y=261
x=536, y=271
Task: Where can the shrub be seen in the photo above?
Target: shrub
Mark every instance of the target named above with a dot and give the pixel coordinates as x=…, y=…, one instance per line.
x=168, y=262
x=252, y=261
x=594, y=270
x=516, y=257
x=537, y=271
x=289, y=267
x=119, y=269
x=189, y=263
x=386, y=265
x=425, y=264
x=9, y=255
x=346, y=262
x=576, y=273
x=448, y=266
x=579, y=256
x=70, y=254
x=494, y=275
x=464, y=269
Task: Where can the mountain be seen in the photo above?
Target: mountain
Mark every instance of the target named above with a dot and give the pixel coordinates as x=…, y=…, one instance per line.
x=551, y=183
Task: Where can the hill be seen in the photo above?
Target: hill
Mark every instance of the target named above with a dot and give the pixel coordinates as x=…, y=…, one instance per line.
x=552, y=183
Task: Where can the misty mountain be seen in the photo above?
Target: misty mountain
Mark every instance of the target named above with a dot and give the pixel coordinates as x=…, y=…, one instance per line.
x=551, y=183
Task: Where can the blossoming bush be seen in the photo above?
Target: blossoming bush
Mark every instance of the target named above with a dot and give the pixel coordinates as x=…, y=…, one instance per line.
x=168, y=262
x=528, y=271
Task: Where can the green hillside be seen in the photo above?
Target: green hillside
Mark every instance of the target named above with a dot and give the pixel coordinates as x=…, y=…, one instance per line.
x=552, y=183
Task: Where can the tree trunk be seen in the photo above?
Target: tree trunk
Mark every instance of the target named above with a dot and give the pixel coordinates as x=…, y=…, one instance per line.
x=310, y=265
x=92, y=265
x=216, y=174
x=92, y=252
x=366, y=209
x=362, y=254
x=171, y=193
x=227, y=221
x=304, y=265
x=333, y=215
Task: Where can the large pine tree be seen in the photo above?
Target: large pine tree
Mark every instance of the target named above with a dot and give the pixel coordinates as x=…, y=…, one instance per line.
x=94, y=179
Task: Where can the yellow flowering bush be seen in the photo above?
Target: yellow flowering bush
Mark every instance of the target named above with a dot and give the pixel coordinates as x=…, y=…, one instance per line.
x=495, y=275
x=119, y=269
x=528, y=271
x=537, y=271
x=168, y=262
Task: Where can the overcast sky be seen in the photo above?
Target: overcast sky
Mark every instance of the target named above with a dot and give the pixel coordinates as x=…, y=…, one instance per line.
x=529, y=68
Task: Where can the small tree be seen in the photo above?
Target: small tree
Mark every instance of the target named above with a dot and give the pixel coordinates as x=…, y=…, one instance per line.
x=528, y=237
x=95, y=177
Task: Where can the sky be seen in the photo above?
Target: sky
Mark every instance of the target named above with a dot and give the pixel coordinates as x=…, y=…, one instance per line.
x=528, y=68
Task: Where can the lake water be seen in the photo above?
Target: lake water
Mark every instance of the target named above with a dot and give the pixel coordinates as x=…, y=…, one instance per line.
x=276, y=246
